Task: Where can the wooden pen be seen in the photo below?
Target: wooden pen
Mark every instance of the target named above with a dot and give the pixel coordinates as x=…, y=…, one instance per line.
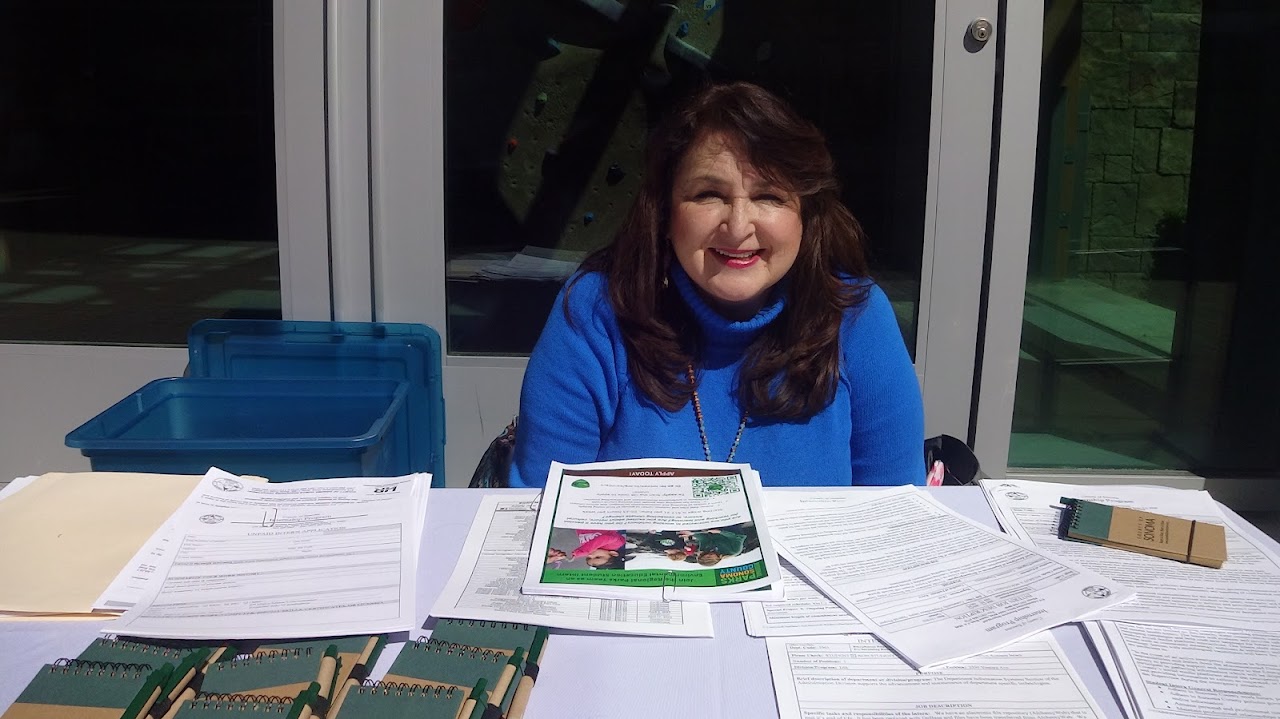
x=520, y=701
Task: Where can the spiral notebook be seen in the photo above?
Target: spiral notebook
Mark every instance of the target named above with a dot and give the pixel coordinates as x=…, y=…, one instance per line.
x=1135, y=530
x=277, y=675
x=463, y=659
x=212, y=706
x=76, y=689
x=355, y=653
x=503, y=637
x=380, y=700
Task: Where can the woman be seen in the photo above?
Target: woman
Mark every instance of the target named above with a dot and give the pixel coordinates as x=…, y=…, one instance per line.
x=732, y=319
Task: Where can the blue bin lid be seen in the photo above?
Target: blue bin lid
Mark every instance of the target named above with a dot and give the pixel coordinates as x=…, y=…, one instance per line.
x=247, y=349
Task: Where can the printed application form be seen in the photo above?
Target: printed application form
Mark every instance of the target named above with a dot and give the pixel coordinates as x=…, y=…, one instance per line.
x=1243, y=594
x=485, y=585
x=854, y=676
x=278, y=561
x=931, y=584
x=805, y=611
x=1176, y=672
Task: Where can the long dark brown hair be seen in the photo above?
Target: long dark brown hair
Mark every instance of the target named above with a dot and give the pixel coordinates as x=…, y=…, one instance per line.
x=791, y=368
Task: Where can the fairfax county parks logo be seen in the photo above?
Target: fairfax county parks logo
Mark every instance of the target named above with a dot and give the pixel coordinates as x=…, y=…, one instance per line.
x=1095, y=591
x=211, y=518
x=1016, y=495
x=227, y=484
x=580, y=483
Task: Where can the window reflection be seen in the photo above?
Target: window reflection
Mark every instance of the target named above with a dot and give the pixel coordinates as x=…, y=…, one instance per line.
x=547, y=105
x=137, y=171
x=1143, y=342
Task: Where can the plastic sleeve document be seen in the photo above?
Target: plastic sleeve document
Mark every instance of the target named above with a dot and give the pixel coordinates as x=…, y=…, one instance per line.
x=854, y=676
x=309, y=558
x=485, y=585
x=931, y=584
x=805, y=611
x=1179, y=672
x=653, y=529
x=1243, y=594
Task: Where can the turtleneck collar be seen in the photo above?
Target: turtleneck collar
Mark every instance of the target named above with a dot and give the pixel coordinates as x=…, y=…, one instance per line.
x=718, y=330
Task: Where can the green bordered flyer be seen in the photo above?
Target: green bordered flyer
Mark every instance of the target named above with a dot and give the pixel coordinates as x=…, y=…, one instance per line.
x=653, y=529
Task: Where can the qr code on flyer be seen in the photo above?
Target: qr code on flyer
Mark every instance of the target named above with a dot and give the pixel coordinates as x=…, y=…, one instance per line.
x=715, y=486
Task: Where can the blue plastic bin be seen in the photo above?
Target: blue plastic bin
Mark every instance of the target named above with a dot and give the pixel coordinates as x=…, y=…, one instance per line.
x=256, y=349
x=282, y=429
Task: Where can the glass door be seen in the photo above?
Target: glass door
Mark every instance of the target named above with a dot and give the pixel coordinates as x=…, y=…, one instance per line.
x=1145, y=347
x=160, y=163
x=506, y=142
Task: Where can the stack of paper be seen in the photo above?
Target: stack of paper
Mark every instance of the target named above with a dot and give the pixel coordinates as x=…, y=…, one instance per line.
x=933, y=585
x=1197, y=641
x=64, y=537
x=486, y=585
x=1171, y=672
x=296, y=559
x=856, y=676
x=1243, y=594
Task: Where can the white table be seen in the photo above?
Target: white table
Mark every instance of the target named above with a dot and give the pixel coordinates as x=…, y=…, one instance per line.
x=583, y=675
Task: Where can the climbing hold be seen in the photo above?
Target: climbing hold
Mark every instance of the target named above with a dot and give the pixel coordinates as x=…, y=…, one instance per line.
x=539, y=102
x=614, y=174
x=588, y=218
x=683, y=29
x=512, y=144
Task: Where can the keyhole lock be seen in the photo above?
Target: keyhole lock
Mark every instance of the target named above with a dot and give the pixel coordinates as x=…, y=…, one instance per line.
x=980, y=30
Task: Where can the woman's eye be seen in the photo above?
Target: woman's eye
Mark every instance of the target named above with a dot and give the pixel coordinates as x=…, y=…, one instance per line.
x=770, y=197
x=707, y=195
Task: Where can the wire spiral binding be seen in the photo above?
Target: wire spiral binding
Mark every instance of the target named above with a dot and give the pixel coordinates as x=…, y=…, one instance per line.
x=451, y=648
x=115, y=642
x=84, y=666
x=244, y=702
x=295, y=652
x=243, y=660
x=369, y=686
x=487, y=624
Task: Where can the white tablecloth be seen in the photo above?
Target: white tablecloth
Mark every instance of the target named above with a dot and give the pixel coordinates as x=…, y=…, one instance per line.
x=583, y=675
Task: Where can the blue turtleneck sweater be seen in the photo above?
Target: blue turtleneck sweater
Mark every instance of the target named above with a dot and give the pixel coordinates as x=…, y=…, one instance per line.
x=578, y=403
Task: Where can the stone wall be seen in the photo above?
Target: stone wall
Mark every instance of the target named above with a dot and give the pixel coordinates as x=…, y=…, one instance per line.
x=1138, y=65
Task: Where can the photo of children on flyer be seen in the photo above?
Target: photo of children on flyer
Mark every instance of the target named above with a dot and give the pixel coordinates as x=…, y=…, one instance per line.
x=680, y=550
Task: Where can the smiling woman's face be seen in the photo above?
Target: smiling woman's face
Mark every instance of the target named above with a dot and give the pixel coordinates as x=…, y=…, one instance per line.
x=734, y=234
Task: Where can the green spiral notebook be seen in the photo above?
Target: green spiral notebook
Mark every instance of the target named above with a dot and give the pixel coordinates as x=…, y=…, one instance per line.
x=276, y=675
x=355, y=654
x=212, y=706
x=75, y=689
x=381, y=700
x=504, y=637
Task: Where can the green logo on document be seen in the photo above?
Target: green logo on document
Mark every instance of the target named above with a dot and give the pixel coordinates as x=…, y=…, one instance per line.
x=580, y=483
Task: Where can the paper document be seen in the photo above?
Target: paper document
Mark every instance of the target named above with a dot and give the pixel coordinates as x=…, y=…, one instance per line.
x=280, y=561
x=13, y=486
x=1209, y=673
x=1111, y=671
x=76, y=532
x=930, y=583
x=855, y=676
x=485, y=585
x=805, y=611
x=652, y=529
x=1244, y=593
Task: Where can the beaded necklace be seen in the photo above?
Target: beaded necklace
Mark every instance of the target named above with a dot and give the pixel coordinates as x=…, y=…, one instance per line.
x=702, y=429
